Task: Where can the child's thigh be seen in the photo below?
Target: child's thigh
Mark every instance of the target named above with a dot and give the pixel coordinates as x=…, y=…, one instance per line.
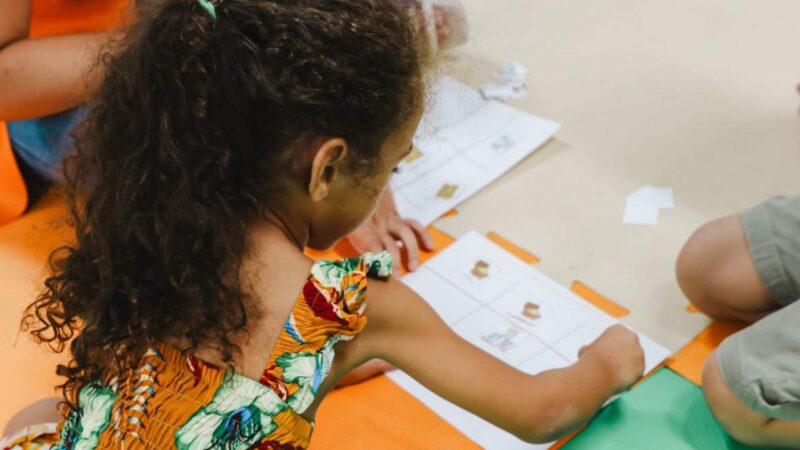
x=772, y=230
x=761, y=365
x=751, y=382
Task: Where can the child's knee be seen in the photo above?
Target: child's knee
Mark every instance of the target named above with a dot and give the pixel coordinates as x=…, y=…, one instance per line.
x=697, y=267
x=716, y=272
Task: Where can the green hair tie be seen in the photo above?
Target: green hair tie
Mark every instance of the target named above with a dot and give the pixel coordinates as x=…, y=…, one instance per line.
x=208, y=6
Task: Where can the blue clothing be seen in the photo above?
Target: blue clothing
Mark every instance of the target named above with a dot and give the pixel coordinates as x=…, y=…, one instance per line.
x=42, y=143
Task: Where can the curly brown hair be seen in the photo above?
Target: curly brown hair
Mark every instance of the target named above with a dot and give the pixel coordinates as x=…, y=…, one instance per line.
x=187, y=138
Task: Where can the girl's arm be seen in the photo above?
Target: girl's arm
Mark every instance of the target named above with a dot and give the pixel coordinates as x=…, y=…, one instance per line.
x=405, y=331
x=39, y=77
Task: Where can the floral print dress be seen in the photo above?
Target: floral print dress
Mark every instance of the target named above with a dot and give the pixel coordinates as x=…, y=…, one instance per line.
x=175, y=401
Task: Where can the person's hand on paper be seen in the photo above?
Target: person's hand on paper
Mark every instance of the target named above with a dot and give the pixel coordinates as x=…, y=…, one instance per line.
x=386, y=230
x=618, y=350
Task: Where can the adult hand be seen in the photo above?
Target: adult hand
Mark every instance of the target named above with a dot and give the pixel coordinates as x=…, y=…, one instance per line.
x=386, y=230
x=442, y=25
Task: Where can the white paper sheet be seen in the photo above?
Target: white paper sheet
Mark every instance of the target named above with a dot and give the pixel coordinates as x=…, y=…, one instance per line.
x=464, y=143
x=486, y=308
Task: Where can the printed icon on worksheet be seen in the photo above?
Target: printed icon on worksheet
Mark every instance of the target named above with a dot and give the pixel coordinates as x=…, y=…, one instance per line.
x=529, y=313
x=480, y=270
x=532, y=311
x=504, y=142
x=447, y=191
x=415, y=154
x=505, y=339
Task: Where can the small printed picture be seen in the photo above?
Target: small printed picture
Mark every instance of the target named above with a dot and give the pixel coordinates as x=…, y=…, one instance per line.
x=415, y=154
x=528, y=314
x=447, y=191
x=503, y=142
x=504, y=340
x=532, y=311
x=480, y=270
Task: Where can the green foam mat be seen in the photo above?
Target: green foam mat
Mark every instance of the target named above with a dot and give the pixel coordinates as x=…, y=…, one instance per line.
x=666, y=411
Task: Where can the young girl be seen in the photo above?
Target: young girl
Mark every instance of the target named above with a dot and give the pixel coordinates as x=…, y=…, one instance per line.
x=226, y=137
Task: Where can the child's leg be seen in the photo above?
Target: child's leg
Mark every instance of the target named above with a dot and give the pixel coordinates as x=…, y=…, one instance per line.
x=43, y=411
x=752, y=383
x=744, y=267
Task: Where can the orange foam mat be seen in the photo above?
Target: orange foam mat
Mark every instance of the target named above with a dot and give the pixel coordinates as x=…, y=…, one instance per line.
x=599, y=300
x=378, y=414
x=13, y=194
x=514, y=249
x=54, y=17
x=690, y=359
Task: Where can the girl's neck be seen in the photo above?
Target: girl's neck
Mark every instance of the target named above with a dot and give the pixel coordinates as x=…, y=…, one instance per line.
x=291, y=229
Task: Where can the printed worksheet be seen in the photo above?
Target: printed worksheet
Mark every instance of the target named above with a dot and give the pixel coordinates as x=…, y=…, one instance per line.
x=512, y=311
x=464, y=142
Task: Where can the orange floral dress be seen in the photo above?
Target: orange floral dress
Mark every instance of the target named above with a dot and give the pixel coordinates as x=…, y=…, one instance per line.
x=176, y=401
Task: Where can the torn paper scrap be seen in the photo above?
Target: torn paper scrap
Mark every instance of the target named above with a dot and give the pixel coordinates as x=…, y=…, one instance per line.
x=512, y=71
x=660, y=197
x=503, y=91
x=636, y=214
x=643, y=206
x=511, y=82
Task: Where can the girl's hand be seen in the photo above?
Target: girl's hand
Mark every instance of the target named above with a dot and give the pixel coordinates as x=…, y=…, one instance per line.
x=386, y=228
x=618, y=351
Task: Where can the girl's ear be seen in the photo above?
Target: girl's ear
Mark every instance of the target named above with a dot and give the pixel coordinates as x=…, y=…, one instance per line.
x=325, y=166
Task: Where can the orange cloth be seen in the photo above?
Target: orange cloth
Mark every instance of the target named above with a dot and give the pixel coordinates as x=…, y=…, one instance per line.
x=54, y=17
x=48, y=18
x=13, y=195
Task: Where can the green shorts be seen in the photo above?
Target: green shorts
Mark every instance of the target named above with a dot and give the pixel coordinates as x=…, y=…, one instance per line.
x=761, y=364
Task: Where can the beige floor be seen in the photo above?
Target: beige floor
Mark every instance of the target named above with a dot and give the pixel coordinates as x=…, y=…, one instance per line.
x=699, y=96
